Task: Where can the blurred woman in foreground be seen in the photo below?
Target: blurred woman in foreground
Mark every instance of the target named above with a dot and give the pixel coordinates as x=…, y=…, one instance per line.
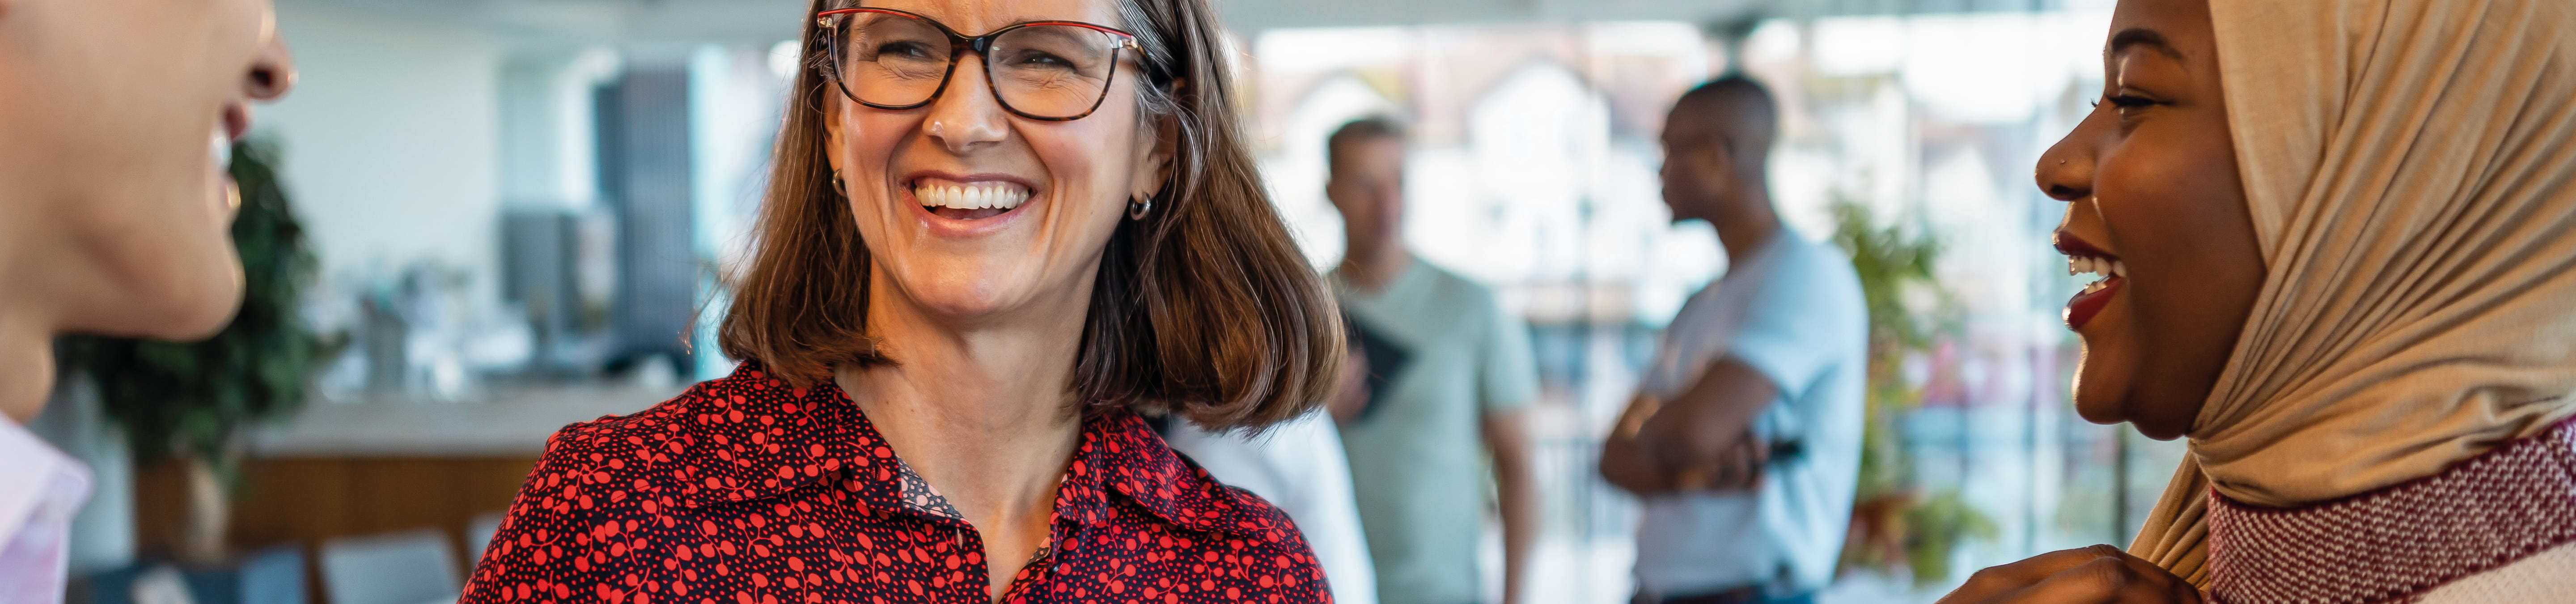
x=994, y=231
x=117, y=118
x=2338, y=248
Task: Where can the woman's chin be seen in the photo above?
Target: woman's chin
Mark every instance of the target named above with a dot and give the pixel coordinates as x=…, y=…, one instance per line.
x=2106, y=392
x=184, y=307
x=2095, y=409
x=960, y=303
x=970, y=301
x=986, y=285
x=2098, y=387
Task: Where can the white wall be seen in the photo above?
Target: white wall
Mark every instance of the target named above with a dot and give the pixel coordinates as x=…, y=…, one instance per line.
x=391, y=141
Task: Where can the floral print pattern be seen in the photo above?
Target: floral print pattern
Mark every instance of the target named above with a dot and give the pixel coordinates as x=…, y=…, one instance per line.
x=744, y=490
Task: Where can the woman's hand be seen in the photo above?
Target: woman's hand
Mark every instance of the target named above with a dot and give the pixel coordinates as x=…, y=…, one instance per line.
x=2099, y=574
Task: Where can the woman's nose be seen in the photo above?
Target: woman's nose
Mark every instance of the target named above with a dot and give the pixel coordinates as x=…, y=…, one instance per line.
x=967, y=115
x=272, y=71
x=2065, y=172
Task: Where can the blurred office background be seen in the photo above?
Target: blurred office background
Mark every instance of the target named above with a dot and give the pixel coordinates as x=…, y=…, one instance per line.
x=523, y=210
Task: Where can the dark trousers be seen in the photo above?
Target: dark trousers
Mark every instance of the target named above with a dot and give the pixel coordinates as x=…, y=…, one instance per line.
x=1740, y=595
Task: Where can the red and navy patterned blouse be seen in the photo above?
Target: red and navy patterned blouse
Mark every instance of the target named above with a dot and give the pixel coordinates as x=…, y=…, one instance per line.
x=746, y=491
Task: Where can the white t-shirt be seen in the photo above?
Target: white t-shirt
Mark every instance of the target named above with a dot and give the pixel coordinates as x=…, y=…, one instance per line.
x=1299, y=466
x=40, y=490
x=1794, y=313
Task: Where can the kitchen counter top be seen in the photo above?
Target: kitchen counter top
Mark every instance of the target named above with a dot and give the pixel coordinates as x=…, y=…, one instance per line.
x=509, y=420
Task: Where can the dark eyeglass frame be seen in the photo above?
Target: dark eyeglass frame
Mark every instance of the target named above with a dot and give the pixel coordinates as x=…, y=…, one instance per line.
x=830, y=23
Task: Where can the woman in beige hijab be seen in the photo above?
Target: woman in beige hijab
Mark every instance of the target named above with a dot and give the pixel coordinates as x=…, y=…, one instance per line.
x=2338, y=242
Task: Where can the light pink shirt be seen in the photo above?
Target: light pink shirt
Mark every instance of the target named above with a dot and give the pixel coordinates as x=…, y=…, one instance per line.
x=40, y=489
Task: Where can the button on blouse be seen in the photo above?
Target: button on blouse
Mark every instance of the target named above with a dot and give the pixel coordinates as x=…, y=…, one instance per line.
x=744, y=490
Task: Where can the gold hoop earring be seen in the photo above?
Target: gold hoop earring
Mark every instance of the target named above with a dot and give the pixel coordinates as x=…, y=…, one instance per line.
x=838, y=188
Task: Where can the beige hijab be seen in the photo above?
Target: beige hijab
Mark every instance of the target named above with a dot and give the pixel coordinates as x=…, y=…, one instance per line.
x=2411, y=167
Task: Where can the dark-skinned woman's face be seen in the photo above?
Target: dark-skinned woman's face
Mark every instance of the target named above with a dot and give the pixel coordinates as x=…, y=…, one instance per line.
x=2155, y=208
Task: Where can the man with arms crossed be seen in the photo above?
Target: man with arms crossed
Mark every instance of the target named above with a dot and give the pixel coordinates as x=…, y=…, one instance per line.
x=1743, y=443
x=115, y=212
x=1448, y=376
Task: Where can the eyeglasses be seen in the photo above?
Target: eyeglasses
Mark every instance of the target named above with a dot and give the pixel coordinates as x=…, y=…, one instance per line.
x=1041, y=70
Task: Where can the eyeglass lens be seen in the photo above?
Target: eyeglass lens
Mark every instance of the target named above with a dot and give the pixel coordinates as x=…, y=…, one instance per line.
x=1039, y=70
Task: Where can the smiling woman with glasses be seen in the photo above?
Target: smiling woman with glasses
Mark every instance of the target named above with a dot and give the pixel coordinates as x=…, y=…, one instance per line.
x=979, y=258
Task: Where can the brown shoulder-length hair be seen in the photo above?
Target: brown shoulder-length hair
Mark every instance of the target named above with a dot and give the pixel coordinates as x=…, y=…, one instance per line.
x=1204, y=308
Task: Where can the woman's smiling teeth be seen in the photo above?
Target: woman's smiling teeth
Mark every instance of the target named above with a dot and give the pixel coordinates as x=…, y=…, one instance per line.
x=969, y=201
x=2106, y=268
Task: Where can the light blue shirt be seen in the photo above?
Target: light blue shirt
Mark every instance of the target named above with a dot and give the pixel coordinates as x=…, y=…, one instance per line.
x=1794, y=313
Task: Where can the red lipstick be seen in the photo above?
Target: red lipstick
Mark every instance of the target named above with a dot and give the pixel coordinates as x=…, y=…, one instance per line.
x=2089, y=302
x=2085, y=304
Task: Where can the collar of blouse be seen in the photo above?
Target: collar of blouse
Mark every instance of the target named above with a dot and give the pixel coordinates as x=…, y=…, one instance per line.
x=750, y=436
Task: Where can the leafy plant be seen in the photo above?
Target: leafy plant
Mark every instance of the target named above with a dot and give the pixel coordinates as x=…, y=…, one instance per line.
x=1893, y=521
x=1892, y=264
x=175, y=398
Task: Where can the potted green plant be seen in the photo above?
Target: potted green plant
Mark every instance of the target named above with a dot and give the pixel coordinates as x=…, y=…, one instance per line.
x=186, y=402
x=1895, y=521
